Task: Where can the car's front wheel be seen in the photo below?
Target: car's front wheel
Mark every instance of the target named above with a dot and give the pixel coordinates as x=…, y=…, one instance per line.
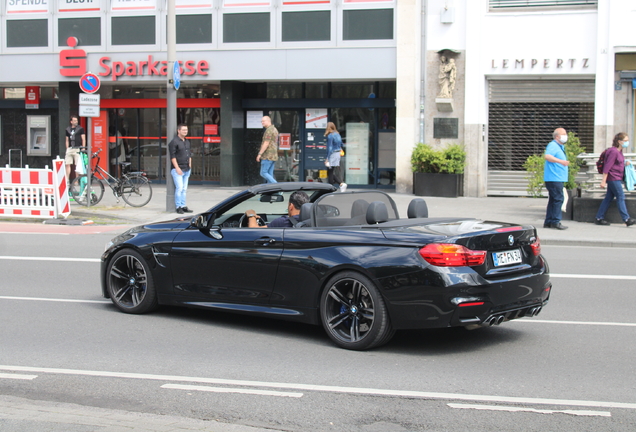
x=353, y=312
x=129, y=283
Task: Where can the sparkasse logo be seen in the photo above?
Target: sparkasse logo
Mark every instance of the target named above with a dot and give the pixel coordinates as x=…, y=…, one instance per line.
x=72, y=61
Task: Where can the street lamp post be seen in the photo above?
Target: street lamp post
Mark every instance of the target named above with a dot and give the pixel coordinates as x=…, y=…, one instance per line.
x=171, y=101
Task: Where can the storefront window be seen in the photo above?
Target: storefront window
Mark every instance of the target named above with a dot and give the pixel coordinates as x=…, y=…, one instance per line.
x=246, y=27
x=284, y=91
x=306, y=26
x=352, y=90
x=316, y=90
x=368, y=24
x=134, y=30
x=87, y=30
x=27, y=33
x=357, y=126
x=192, y=29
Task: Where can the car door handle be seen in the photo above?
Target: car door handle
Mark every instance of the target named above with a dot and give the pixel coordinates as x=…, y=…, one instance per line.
x=264, y=241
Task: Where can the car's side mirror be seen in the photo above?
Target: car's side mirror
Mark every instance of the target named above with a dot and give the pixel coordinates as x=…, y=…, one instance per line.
x=204, y=221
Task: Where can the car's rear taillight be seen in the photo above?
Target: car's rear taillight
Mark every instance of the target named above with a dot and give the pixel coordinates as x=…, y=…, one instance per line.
x=451, y=255
x=536, y=247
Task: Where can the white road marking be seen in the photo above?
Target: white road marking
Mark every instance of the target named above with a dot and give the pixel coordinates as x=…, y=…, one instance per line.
x=20, y=258
x=522, y=409
x=17, y=376
x=584, y=276
x=597, y=323
x=326, y=388
x=231, y=390
x=53, y=299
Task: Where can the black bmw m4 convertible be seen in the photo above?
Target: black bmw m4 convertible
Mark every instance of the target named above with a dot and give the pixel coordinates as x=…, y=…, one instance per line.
x=347, y=262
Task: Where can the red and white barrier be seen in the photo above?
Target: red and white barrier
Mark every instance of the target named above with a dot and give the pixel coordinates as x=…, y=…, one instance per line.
x=34, y=193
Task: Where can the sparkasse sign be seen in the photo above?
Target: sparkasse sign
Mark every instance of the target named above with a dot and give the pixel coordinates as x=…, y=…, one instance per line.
x=73, y=63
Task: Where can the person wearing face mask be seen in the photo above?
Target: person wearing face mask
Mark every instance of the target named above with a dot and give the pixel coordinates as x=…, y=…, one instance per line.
x=613, y=170
x=555, y=174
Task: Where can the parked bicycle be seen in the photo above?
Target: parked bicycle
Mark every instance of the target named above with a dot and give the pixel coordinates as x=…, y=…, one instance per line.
x=134, y=187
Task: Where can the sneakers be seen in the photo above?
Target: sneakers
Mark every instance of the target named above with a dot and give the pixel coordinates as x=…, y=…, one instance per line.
x=630, y=221
x=343, y=187
x=186, y=209
x=603, y=222
x=180, y=210
x=555, y=226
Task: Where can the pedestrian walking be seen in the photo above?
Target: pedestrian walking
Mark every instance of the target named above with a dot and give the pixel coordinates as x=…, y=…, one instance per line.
x=181, y=159
x=555, y=174
x=268, y=153
x=613, y=171
x=332, y=160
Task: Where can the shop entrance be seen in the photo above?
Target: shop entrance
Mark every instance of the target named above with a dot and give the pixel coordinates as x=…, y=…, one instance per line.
x=137, y=134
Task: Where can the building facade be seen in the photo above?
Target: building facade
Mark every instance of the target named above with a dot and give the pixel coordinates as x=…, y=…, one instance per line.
x=301, y=62
x=522, y=68
x=497, y=76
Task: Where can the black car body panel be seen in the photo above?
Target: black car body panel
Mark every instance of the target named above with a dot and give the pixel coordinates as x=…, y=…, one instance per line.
x=211, y=262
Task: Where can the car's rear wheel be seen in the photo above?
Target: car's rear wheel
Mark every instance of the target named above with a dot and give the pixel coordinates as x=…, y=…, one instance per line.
x=129, y=283
x=353, y=312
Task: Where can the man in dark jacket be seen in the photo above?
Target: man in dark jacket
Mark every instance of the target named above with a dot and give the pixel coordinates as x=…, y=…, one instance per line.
x=181, y=158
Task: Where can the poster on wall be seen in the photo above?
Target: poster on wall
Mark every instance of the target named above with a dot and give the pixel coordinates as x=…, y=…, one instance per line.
x=254, y=119
x=316, y=118
x=357, y=149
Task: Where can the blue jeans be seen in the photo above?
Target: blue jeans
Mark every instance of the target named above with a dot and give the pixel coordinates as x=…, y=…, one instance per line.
x=267, y=170
x=180, y=187
x=614, y=189
x=555, y=201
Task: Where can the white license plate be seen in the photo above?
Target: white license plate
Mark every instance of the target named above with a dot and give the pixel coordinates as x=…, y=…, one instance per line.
x=507, y=257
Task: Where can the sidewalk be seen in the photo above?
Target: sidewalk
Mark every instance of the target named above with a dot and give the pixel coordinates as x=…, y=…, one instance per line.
x=506, y=209
x=19, y=415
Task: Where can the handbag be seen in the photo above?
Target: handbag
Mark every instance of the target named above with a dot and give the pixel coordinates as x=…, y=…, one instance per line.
x=342, y=153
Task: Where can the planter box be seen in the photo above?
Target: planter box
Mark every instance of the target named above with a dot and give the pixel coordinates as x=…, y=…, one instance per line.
x=585, y=210
x=438, y=185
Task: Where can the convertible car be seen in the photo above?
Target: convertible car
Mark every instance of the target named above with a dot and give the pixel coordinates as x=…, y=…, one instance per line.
x=349, y=263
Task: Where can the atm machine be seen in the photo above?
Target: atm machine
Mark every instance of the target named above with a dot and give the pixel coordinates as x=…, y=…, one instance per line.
x=39, y=135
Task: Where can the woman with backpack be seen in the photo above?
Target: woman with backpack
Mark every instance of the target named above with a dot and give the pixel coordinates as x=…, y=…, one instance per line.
x=613, y=170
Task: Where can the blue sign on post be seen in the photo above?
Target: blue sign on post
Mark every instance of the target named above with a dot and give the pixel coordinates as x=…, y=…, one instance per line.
x=89, y=83
x=176, y=76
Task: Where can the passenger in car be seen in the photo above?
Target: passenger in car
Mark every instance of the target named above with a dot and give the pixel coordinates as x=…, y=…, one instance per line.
x=291, y=219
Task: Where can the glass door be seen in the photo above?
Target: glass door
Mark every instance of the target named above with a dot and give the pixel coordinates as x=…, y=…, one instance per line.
x=288, y=123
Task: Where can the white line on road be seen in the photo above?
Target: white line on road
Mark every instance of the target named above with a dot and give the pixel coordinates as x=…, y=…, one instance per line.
x=17, y=376
x=326, y=388
x=53, y=300
x=20, y=258
x=231, y=390
x=538, y=321
x=583, y=276
x=521, y=409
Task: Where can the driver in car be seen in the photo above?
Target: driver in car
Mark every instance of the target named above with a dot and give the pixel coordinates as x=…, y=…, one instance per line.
x=296, y=201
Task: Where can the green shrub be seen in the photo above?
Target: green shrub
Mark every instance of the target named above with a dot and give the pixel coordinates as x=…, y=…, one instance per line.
x=451, y=160
x=534, y=166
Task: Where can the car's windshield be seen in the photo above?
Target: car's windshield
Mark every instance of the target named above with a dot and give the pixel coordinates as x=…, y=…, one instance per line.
x=269, y=206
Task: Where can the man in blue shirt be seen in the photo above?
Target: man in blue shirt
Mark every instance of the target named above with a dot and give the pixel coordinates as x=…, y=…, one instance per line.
x=555, y=174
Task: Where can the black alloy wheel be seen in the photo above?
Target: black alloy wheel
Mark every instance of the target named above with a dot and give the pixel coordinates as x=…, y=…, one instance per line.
x=353, y=312
x=129, y=283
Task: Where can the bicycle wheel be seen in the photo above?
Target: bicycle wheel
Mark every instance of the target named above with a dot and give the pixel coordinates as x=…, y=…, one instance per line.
x=136, y=191
x=79, y=191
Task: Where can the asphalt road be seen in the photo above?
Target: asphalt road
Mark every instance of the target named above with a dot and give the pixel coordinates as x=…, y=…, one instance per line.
x=570, y=369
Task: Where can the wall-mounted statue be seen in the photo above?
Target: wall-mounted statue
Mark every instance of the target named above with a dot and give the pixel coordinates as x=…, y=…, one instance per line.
x=447, y=77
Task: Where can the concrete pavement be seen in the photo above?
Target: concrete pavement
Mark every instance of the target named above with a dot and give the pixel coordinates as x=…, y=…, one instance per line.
x=506, y=209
